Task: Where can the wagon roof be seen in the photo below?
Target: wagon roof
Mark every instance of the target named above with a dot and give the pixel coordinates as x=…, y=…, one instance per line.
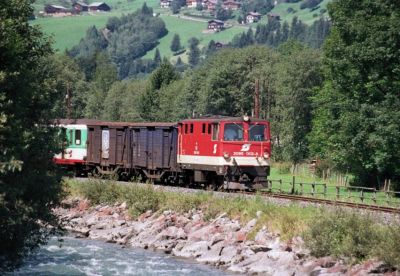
x=92, y=122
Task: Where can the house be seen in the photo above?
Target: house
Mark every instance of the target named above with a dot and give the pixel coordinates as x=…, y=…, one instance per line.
x=55, y=9
x=220, y=45
x=216, y=25
x=273, y=16
x=99, y=6
x=194, y=3
x=80, y=7
x=210, y=4
x=231, y=5
x=253, y=17
x=165, y=3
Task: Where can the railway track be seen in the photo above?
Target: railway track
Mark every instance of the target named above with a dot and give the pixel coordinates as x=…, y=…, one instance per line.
x=297, y=198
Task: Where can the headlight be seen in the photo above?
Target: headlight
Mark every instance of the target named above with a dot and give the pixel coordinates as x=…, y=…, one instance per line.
x=226, y=155
x=246, y=118
x=266, y=155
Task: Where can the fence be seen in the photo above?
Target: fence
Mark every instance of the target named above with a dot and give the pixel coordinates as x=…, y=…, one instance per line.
x=340, y=193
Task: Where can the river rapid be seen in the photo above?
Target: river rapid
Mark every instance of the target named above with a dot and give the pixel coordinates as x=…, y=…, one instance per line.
x=88, y=257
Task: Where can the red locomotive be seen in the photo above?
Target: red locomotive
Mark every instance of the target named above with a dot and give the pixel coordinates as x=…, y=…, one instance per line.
x=218, y=152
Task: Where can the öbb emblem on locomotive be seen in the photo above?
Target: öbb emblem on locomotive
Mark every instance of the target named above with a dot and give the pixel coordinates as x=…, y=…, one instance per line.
x=245, y=147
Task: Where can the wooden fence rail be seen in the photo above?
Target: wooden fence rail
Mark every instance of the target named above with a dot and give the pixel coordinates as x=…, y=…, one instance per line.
x=349, y=193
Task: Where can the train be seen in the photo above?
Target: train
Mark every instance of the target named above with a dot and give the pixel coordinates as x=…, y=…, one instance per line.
x=215, y=152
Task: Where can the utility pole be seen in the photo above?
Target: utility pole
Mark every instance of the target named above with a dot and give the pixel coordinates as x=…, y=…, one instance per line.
x=257, y=99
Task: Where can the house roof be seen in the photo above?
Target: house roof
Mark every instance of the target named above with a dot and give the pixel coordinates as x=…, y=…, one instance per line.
x=58, y=7
x=96, y=4
x=216, y=21
x=273, y=14
x=254, y=14
x=82, y=4
x=231, y=2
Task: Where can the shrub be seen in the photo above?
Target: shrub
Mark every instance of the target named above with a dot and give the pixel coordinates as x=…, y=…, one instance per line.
x=142, y=199
x=309, y=4
x=342, y=234
x=388, y=250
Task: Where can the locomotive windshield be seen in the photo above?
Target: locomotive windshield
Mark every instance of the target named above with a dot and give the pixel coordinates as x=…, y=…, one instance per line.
x=257, y=132
x=233, y=132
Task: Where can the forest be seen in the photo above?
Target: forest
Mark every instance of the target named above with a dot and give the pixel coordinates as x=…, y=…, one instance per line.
x=331, y=92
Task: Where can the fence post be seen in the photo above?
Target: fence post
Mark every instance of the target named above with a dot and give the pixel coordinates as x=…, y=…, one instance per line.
x=301, y=188
x=313, y=189
x=374, y=196
x=337, y=192
x=325, y=190
x=293, y=183
x=280, y=186
x=362, y=195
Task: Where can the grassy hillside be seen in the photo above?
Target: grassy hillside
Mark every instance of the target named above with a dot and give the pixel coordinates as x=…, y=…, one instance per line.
x=67, y=31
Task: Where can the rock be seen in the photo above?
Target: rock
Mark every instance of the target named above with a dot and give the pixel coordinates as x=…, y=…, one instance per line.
x=145, y=215
x=240, y=236
x=172, y=232
x=77, y=221
x=250, y=225
x=203, y=234
x=227, y=254
x=196, y=217
x=213, y=255
x=83, y=205
x=281, y=257
x=259, y=248
x=91, y=220
x=258, y=214
x=119, y=222
x=192, y=250
x=123, y=206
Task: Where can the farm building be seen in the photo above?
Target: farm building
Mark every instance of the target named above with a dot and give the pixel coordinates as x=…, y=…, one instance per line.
x=165, y=3
x=193, y=3
x=80, y=7
x=216, y=25
x=231, y=5
x=253, y=17
x=54, y=9
x=273, y=16
x=99, y=6
x=210, y=4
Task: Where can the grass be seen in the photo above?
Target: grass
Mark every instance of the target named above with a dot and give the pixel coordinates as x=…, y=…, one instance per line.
x=339, y=233
x=305, y=15
x=67, y=31
x=282, y=181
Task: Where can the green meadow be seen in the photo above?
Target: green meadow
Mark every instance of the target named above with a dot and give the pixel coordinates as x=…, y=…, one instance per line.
x=67, y=31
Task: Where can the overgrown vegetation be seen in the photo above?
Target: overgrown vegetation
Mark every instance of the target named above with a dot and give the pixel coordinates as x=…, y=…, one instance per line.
x=335, y=232
x=351, y=235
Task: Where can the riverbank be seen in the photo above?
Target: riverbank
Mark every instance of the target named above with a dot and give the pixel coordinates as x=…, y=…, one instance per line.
x=242, y=237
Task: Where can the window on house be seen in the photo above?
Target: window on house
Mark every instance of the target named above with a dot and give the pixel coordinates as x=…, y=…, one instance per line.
x=78, y=137
x=215, y=132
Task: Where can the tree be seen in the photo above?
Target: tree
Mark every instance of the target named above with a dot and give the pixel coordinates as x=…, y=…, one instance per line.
x=176, y=43
x=194, y=51
x=157, y=57
x=357, y=116
x=29, y=184
x=149, y=101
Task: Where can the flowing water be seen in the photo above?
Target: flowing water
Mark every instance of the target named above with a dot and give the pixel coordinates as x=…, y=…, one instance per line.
x=87, y=257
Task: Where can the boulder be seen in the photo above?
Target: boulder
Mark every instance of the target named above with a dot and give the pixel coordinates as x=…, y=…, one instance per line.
x=213, y=255
x=192, y=250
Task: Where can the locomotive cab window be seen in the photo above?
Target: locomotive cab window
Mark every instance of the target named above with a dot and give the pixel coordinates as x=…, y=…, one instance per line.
x=215, y=132
x=77, y=137
x=257, y=132
x=233, y=132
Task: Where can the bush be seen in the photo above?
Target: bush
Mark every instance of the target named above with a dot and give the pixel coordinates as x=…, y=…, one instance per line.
x=389, y=248
x=342, y=234
x=142, y=199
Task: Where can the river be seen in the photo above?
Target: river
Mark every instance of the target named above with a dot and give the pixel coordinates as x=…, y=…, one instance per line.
x=88, y=257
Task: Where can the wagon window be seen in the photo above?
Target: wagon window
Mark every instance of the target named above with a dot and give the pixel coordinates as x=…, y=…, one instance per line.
x=233, y=132
x=77, y=137
x=203, y=129
x=191, y=128
x=70, y=137
x=215, y=132
x=257, y=132
x=209, y=128
x=186, y=128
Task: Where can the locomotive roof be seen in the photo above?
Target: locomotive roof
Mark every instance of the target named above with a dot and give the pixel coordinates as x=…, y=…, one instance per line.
x=221, y=119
